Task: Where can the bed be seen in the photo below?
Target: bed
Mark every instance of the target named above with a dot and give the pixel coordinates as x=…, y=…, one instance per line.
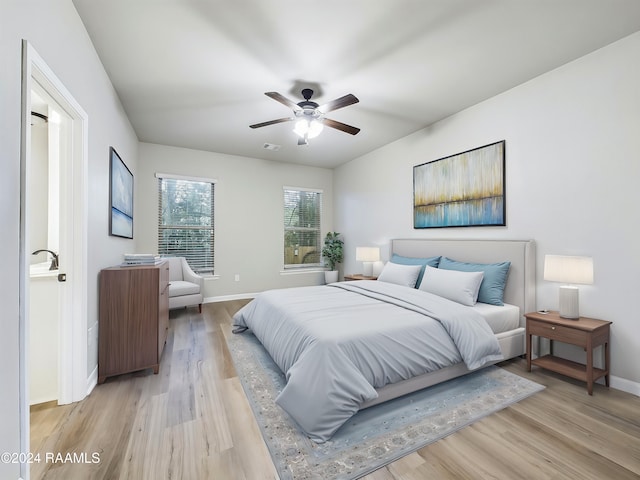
x=350, y=345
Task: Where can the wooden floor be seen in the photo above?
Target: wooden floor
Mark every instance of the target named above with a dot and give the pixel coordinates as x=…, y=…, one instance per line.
x=192, y=421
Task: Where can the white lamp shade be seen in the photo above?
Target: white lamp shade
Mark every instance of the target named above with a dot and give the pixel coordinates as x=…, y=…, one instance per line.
x=568, y=269
x=367, y=254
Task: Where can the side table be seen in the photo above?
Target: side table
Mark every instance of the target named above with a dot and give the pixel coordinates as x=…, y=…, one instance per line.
x=584, y=332
x=358, y=276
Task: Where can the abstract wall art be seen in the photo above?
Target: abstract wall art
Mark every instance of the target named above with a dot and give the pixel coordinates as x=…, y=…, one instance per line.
x=121, y=197
x=462, y=190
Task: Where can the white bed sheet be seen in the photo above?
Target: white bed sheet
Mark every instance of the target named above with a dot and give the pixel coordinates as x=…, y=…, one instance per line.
x=500, y=318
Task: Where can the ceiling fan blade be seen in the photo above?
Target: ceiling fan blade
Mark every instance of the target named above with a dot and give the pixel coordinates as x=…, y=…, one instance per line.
x=338, y=103
x=341, y=126
x=283, y=100
x=271, y=122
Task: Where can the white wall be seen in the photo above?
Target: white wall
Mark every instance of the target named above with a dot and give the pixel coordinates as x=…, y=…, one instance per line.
x=54, y=29
x=248, y=214
x=572, y=172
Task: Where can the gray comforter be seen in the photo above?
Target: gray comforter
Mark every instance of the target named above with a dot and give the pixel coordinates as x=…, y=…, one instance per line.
x=336, y=343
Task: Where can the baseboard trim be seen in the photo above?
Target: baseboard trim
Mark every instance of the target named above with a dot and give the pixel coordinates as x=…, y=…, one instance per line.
x=92, y=381
x=625, y=385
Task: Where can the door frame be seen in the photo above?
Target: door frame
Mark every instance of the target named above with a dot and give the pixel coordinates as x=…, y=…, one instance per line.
x=73, y=378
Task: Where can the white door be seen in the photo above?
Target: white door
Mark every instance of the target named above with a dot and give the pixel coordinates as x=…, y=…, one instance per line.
x=73, y=148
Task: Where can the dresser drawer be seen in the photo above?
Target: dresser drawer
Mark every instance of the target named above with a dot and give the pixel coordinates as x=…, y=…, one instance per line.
x=557, y=332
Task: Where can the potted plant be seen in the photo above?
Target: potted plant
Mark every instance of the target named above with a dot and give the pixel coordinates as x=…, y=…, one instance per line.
x=332, y=254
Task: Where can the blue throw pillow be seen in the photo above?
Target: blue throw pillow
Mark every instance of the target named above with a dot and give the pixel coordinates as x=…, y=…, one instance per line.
x=431, y=261
x=493, y=282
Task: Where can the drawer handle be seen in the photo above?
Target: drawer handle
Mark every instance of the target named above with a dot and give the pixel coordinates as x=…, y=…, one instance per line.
x=553, y=328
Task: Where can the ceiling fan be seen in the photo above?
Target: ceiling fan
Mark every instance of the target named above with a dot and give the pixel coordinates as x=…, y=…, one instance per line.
x=309, y=116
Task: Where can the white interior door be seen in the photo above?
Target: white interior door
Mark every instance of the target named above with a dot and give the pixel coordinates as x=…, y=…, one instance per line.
x=73, y=221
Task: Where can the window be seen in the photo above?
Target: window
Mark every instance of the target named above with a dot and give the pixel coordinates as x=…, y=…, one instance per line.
x=302, y=210
x=185, y=220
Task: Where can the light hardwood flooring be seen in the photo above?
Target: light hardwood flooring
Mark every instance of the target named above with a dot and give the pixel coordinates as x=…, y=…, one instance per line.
x=192, y=421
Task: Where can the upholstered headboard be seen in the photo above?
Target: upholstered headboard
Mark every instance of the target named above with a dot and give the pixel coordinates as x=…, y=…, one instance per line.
x=521, y=282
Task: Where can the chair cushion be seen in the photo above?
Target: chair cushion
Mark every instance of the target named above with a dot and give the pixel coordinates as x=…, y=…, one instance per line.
x=175, y=268
x=178, y=288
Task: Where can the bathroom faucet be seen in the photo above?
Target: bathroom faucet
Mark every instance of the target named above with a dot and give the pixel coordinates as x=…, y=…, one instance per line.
x=54, y=260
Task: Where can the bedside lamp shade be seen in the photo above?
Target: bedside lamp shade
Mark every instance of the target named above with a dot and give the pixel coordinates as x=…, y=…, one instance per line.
x=568, y=269
x=367, y=255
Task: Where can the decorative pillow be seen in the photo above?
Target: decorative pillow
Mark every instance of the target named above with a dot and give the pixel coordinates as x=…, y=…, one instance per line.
x=493, y=283
x=431, y=261
x=461, y=287
x=400, y=274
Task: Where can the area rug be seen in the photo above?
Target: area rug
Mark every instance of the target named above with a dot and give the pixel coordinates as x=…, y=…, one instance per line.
x=377, y=435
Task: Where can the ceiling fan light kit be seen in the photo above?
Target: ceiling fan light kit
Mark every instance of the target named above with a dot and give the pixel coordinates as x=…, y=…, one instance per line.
x=308, y=128
x=309, y=116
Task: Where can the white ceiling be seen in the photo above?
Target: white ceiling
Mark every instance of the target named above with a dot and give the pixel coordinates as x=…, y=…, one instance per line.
x=193, y=73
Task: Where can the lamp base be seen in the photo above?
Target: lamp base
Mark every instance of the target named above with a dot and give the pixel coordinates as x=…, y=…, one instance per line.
x=367, y=269
x=569, y=302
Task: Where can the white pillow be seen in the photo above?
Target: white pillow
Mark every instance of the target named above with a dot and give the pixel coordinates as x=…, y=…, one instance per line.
x=461, y=287
x=406, y=275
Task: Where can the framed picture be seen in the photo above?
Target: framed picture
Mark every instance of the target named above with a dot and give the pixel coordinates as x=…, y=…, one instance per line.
x=120, y=197
x=462, y=190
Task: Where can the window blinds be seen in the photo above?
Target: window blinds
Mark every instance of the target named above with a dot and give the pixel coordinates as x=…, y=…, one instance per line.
x=186, y=221
x=302, y=215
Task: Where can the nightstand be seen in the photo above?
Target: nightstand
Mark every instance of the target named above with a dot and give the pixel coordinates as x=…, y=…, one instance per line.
x=358, y=276
x=584, y=332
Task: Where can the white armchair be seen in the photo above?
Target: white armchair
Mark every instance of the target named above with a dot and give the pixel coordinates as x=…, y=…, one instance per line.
x=185, y=286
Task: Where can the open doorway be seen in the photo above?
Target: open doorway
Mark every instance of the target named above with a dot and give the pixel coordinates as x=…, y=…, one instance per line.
x=65, y=232
x=49, y=134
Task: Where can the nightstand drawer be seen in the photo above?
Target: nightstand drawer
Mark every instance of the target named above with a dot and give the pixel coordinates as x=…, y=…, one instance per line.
x=557, y=332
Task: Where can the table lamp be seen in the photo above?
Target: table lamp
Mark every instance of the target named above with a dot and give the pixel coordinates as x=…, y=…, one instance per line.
x=570, y=270
x=367, y=255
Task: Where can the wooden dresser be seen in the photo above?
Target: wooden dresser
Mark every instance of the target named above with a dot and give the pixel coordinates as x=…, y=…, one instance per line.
x=134, y=318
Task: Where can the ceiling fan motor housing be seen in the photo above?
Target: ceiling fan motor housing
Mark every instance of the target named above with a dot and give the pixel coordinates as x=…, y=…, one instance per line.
x=308, y=112
x=307, y=105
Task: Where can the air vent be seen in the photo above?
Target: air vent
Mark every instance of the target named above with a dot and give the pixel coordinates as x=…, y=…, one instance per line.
x=271, y=146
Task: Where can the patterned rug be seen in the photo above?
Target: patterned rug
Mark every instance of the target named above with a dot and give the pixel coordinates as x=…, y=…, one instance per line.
x=377, y=435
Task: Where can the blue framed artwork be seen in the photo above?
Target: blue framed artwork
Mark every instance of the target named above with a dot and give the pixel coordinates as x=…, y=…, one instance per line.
x=120, y=197
x=462, y=190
